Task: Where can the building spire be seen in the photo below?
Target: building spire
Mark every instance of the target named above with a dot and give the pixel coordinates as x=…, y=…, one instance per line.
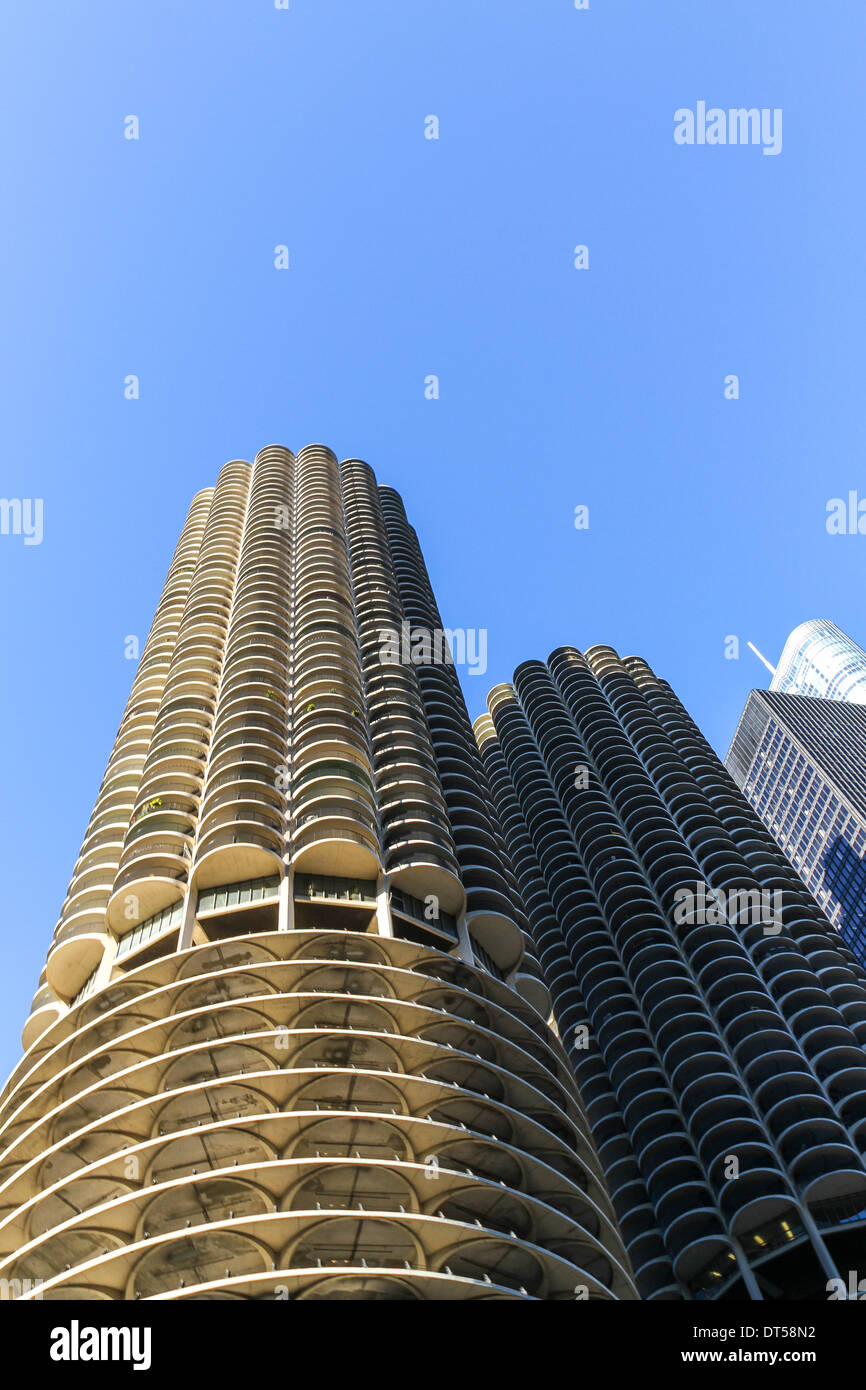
x=753, y=648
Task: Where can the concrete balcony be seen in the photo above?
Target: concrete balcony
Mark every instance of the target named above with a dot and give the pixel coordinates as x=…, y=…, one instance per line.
x=45, y=1010
x=74, y=954
x=333, y=845
x=243, y=845
x=153, y=875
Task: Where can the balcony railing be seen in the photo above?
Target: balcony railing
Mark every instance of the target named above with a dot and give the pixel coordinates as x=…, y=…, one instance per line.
x=162, y=847
x=320, y=886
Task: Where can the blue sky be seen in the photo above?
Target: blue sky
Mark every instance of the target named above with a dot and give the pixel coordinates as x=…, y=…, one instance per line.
x=411, y=257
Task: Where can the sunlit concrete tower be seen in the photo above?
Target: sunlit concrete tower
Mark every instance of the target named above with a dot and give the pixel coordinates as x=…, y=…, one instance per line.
x=715, y=1021
x=289, y=1042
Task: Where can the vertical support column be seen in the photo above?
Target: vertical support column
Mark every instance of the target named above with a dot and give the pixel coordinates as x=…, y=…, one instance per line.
x=187, y=926
x=464, y=942
x=827, y=1263
x=105, y=966
x=286, y=918
x=751, y=1283
x=383, y=907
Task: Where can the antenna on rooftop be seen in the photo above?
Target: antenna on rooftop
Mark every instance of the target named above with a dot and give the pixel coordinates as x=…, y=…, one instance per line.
x=753, y=648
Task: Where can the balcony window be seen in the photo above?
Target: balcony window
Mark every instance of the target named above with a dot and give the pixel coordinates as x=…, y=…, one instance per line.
x=313, y=886
x=146, y=931
x=229, y=895
x=408, y=906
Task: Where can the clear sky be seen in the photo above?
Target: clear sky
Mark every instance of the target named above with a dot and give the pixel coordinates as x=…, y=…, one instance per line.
x=409, y=257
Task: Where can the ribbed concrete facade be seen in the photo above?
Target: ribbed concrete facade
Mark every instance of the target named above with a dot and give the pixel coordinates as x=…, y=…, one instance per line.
x=289, y=1041
x=720, y=1059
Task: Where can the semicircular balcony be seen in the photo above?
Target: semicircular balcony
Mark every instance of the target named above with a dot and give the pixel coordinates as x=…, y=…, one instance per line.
x=811, y=1137
x=754, y=1198
x=186, y=729
x=171, y=780
x=843, y=1182
x=95, y=868
x=317, y=683
x=174, y=811
x=498, y=935
x=240, y=842
x=121, y=780
x=256, y=662
x=152, y=876
x=424, y=872
x=104, y=837
x=253, y=705
x=75, y=953
x=241, y=727
x=336, y=841
x=327, y=656
x=45, y=1010
x=696, y=1241
x=413, y=817
x=723, y=1127
x=250, y=781
x=330, y=739
x=409, y=812
x=86, y=901
x=349, y=770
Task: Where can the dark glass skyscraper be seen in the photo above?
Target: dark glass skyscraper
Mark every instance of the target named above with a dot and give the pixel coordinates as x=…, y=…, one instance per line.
x=714, y=1018
x=801, y=762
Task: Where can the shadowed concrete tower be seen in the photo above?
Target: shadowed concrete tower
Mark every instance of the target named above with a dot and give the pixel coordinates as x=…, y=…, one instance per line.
x=289, y=1042
x=714, y=1019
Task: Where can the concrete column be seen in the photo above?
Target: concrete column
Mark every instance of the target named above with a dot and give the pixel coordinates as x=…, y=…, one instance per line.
x=826, y=1259
x=286, y=917
x=464, y=942
x=747, y=1272
x=383, y=908
x=105, y=966
x=187, y=926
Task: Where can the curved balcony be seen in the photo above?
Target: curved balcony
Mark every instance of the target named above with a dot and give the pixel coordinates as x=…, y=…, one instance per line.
x=335, y=845
x=240, y=843
x=45, y=1010
x=425, y=877
x=73, y=956
x=499, y=936
x=533, y=989
x=153, y=876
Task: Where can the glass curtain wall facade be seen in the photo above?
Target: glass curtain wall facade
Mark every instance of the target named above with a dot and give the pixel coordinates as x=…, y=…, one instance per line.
x=819, y=659
x=801, y=762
